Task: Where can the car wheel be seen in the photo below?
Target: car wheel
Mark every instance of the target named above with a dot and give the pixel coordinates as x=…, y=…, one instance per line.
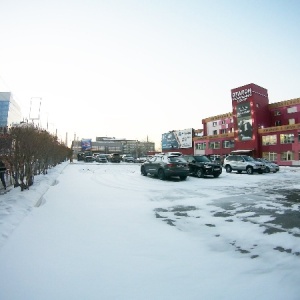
x=143, y=171
x=216, y=175
x=228, y=169
x=249, y=170
x=199, y=173
x=267, y=170
x=183, y=177
x=161, y=174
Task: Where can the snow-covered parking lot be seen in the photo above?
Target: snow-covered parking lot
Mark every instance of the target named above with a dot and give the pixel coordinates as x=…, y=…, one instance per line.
x=103, y=231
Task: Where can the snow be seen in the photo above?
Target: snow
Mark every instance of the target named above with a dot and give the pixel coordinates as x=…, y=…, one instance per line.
x=103, y=231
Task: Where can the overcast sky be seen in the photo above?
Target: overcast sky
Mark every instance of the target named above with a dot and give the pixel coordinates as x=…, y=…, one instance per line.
x=136, y=69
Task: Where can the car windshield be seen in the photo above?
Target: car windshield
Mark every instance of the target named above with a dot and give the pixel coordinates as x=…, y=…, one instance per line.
x=248, y=158
x=176, y=159
x=202, y=158
x=266, y=160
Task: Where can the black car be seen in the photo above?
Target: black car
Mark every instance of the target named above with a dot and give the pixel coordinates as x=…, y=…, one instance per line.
x=115, y=157
x=164, y=166
x=201, y=166
x=89, y=158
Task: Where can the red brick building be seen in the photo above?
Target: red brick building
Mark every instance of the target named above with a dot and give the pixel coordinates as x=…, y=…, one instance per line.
x=254, y=127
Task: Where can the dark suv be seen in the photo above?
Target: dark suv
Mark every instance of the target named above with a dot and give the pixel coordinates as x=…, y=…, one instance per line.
x=164, y=166
x=115, y=157
x=242, y=163
x=201, y=165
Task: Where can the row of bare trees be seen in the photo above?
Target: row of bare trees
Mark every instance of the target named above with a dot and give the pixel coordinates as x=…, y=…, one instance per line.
x=28, y=150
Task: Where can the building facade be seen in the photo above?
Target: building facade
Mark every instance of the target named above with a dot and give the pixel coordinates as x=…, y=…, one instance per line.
x=254, y=127
x=106, y=145
x=10, y=112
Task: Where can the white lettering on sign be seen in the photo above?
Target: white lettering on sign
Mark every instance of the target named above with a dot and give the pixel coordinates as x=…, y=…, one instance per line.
x=241, y=95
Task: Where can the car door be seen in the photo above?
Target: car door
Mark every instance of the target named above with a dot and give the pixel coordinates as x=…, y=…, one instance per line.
x=189, y=160
x=232, y=162
x=240, y=163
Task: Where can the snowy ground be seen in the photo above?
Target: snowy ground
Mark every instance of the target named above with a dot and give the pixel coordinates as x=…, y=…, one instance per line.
x=103, y=231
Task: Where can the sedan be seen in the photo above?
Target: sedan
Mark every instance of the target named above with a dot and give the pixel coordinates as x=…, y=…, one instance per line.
x=270, y=166
x=101, y=158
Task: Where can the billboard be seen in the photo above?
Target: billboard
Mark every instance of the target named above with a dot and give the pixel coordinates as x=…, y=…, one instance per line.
x=244, y=120
x=177, y=139
x=86, y=144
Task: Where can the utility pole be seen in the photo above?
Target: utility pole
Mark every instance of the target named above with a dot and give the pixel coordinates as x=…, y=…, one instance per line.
x=35, y=108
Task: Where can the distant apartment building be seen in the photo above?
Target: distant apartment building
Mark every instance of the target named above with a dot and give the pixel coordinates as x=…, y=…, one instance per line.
x=254, y=127
x=10, y=112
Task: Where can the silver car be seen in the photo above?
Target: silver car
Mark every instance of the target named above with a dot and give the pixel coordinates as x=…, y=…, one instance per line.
x=242, y=163
x=270, y=166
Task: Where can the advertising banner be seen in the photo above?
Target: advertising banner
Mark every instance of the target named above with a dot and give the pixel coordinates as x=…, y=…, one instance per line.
x=86, y=145
x=244, y=121
x=177, y=139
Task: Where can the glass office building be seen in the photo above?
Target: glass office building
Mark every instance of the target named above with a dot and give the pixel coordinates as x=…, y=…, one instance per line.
x=10, y=111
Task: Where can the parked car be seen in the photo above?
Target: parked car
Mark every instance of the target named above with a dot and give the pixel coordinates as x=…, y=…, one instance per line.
x=201, y=166
x=173, y=153
x=141, y=159
x=164, y=166
x=95, y=155
x=242, y=163
x=101, y=158
x=127, y=158
x=89, y=158
x=270, y=166
x=115, y=157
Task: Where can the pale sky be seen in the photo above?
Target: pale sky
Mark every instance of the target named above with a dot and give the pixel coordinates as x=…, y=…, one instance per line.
x=136, y=69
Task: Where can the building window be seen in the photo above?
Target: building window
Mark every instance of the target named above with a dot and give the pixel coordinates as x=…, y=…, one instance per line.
x=291, y=110
x=291, y=121
x=278, y=123
x=223, y=131
x=228, y=144
x=272, y=156
x=277, y=113
x=215, y=124
x=298, y=137
x=289, y=155
x=215, y=132
x=269, y=140
x=214, y=145
x=287, y=138
x=201, y=146
x=223, y=122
